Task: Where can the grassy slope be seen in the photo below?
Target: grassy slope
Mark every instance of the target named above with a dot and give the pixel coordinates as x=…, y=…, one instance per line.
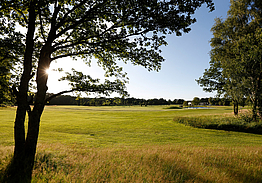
x=136, y=143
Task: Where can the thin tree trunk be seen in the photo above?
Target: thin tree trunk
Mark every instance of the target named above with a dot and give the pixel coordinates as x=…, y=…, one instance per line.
x=254, y=108
x=260, y=107
x=235, y=108
x=259, y=103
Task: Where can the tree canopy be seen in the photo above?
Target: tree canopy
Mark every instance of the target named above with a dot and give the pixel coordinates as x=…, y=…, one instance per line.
x=235, y=66
x=11, y=50
x=195, y=101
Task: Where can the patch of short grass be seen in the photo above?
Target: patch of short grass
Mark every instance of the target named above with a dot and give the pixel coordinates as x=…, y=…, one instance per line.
x=124, y=126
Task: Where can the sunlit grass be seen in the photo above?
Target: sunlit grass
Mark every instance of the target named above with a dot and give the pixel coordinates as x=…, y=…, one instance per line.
x=135, y=144
x=157, y=163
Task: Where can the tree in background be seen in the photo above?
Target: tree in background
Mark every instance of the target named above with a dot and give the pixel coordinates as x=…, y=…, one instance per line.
x=195, y=101
x=185, y=103
x=108, y=31
x=235, y=66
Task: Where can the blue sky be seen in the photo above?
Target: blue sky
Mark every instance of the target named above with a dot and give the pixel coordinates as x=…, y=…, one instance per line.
x=186, y=59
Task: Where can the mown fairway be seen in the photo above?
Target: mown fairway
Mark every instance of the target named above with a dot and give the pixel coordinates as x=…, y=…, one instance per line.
x=135, y=144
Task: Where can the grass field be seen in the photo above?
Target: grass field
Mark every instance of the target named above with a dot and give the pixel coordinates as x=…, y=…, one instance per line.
x=135, y=144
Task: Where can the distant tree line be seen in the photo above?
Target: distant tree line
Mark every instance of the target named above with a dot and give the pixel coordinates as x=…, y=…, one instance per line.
x=117, y=101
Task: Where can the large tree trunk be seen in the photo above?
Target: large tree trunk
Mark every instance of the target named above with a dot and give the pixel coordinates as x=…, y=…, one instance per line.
x=19, y=168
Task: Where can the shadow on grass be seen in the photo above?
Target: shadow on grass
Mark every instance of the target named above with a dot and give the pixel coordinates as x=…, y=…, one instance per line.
x=173, y=107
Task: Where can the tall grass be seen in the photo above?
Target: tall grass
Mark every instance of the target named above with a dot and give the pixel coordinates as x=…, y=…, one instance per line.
x=158, y=163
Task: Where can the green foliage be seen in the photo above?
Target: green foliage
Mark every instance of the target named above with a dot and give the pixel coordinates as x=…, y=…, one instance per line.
x=195, y=101
x=11, y=50
x=235, y=66
x=106, y=30
x=105, y=101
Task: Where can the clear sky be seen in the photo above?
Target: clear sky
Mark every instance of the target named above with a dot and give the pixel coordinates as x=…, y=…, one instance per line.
x=186, y=59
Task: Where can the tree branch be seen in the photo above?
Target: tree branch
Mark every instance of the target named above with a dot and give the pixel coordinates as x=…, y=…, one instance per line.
x=71, y=54
x=23, y=15
x=69, y=91
x=41, y=25
x=82, y=20
x=62, y=21
x=58, y=94
x=56, y=11
x=108, y=39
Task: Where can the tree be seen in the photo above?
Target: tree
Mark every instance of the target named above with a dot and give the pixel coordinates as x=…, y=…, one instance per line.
x=185, y=103
x=195, y=101
x=109, y=31
x=180, y=101
x=235, y=66
x=11, y=50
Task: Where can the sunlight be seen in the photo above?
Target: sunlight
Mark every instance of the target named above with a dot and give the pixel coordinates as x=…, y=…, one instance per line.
x=55, y=86
x=48, y=71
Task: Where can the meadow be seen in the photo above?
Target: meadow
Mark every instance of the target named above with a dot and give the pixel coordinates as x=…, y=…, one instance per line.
x=135, y=144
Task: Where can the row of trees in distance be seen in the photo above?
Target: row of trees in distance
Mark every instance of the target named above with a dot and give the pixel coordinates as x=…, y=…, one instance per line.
x=117, y=101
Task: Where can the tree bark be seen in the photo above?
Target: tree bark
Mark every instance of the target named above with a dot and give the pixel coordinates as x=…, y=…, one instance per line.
x=17, y=170
x=20, y=169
